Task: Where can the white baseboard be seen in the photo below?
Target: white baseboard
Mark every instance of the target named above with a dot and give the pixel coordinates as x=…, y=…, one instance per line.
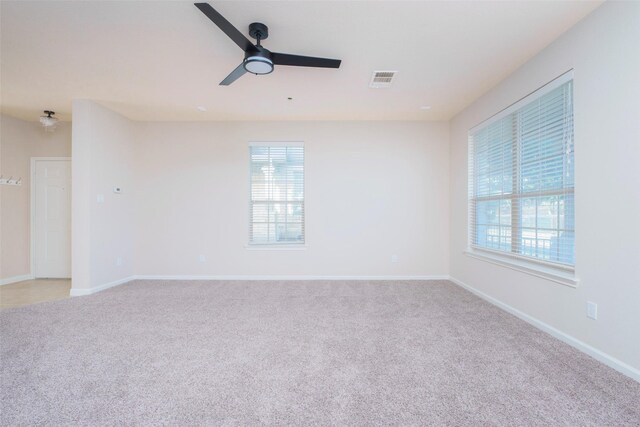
x=78, y=292
x=15, y=279
x=600, y=356
x=288, y=277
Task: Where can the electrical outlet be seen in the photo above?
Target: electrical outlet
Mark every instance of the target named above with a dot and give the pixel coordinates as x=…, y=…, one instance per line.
x=592, y=310
x=394, y=258
x=202, y=258
x=100, y=198
x=119, y=261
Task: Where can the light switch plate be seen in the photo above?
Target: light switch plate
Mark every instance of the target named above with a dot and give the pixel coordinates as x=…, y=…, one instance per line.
x=592, y=310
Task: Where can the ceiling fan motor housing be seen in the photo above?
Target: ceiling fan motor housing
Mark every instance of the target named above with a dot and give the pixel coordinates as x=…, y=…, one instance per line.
x=258, y=61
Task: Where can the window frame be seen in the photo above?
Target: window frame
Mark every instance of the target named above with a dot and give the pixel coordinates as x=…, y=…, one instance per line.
x=558, y=272
x=284, y=246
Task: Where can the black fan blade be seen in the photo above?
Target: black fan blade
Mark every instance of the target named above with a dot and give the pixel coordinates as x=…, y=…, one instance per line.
x=231, y=31
x=235, y=75
x=304, y=61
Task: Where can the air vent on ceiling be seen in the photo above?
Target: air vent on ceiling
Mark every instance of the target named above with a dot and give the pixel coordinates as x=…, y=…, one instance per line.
x=382, y=79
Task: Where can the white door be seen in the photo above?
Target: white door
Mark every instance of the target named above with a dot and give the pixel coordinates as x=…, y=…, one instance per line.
x=52, y=218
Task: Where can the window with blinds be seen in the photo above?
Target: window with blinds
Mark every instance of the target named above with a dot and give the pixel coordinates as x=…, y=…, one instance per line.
x=521, y=168
x=277, y=194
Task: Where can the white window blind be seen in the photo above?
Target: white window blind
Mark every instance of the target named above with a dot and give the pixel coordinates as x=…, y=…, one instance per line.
x=521, y=168
x=277, y=194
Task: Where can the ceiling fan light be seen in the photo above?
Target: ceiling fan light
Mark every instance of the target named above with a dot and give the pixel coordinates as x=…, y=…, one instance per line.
x=258, y=65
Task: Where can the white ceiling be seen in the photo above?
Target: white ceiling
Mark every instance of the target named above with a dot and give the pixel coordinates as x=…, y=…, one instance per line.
x=151, y=60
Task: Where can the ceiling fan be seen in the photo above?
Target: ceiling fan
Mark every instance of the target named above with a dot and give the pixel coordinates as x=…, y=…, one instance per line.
x=257, y=59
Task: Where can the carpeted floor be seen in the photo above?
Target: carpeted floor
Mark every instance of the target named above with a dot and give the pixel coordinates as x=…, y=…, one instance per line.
x=340, y=353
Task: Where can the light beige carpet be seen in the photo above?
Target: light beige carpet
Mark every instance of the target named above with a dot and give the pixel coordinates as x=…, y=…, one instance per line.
x=296, y=353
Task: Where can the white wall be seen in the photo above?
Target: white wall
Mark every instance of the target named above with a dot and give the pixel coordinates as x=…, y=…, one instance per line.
x=373, y=190
x=603, y=50
x=19, y=141
x=103, y=146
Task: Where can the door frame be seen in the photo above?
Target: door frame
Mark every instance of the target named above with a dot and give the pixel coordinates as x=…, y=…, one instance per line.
x=32, y=208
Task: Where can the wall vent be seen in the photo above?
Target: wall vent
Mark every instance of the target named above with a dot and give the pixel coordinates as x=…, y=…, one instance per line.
x=382, y=79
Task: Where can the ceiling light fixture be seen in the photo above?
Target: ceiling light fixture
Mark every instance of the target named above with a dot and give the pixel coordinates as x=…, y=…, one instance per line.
x=426, y=107
x=49, y=122
x=201, y=109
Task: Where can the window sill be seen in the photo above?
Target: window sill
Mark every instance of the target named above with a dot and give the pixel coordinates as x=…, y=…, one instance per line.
x=276, y=247
x=563, y=277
